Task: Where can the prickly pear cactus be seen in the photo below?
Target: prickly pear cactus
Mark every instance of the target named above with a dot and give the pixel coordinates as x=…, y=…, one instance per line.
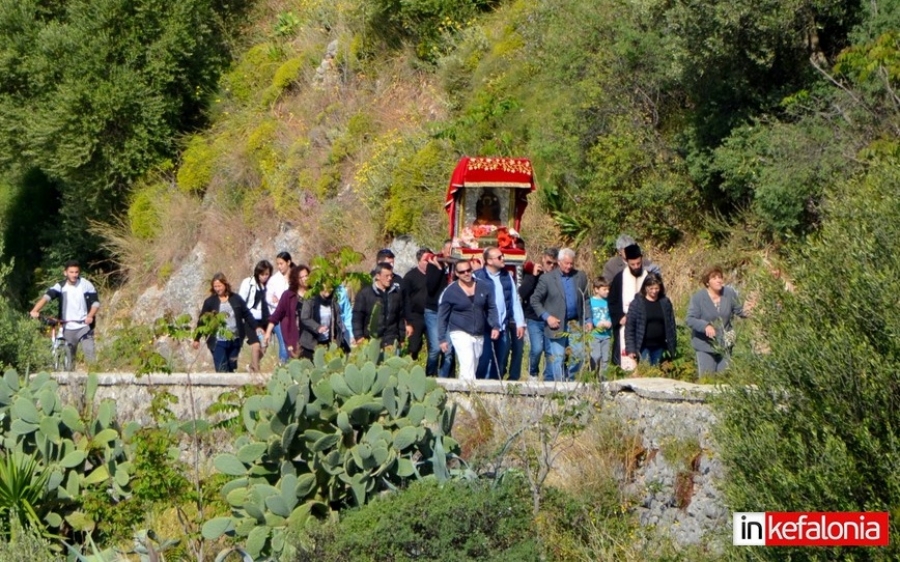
x=78, y=449
x=329, y=435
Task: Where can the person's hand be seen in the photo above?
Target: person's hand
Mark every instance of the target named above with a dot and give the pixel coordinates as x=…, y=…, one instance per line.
x=495, y=334
x=553, y=322
x=710, y=331
x=622, y=321
x=520, y=332
x=605, y=325
x=588, y=326
x=359, y=341
x=322, y=329
x=34, y=314
x=434, y=261
x=195, y=344
x=445, y=347
x=537, y=269
x=409, y=331
x=89, y=319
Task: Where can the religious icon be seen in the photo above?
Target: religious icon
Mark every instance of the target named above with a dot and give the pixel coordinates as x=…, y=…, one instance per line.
x=487, y=208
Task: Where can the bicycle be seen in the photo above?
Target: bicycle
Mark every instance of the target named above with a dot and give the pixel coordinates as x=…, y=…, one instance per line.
x=60, y=350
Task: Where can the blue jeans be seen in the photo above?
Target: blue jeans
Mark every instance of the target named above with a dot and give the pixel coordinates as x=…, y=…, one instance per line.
x=492, y=364
x=283, y=354
x=434, y=348
x=652, y=356
x=537, y=343
x=516, y=350
x=225, y=355
x=556, y=356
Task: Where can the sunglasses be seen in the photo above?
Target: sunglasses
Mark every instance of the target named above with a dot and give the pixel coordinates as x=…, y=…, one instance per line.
x=500, y=257
x=464, y=271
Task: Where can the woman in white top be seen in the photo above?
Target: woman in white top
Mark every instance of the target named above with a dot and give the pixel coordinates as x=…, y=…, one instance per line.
x=277, y=285
x=253, y=291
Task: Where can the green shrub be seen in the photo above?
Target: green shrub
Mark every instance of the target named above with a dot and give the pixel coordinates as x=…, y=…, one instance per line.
x=197, y=164
x=76, y=450
x=251, y=74
x=327, y=435
x=22, y=347
x=29, y=545
x=158, y=481
x=781, y=170
x=818, y=429
x=424, y=23
x=457, y=520
x=288, y=73
x=144, y=211
x=415, y=196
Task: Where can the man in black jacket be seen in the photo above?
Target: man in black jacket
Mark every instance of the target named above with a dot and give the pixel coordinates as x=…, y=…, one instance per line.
x=378, y=309
x=533, y=322
x=423, y=285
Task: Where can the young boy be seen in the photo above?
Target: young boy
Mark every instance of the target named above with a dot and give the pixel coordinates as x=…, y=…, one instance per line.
x=602, y=326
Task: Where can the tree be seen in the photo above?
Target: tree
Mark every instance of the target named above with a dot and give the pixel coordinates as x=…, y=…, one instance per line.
x=93, y=93
x=818, y=427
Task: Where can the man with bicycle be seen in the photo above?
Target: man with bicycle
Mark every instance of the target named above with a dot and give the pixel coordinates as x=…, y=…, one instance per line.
x=78, y=304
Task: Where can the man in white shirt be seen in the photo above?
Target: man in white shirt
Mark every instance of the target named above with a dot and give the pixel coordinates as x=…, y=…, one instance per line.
x=78, y=304
x=495, y=357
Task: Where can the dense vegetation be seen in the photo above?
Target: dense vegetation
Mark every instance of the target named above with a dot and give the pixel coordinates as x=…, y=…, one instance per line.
x=663, y=118
x=819, y=427
x=772, y=122
x=92, y=95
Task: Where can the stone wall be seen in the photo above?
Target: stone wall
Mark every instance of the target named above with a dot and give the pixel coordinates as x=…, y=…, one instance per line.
x=675, y=470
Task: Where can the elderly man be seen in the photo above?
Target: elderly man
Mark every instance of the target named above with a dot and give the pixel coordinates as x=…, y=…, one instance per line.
x=562, y=300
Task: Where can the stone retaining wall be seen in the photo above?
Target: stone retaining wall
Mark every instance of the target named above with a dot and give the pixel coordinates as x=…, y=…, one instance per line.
x=678, y=496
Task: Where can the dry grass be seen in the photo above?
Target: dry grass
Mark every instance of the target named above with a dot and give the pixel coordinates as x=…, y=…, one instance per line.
x=474, y=429
x=142, y=260
x=607, y=449
x=683, y=265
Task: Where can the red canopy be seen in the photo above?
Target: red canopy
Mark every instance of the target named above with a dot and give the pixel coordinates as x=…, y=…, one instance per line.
x=491, y=172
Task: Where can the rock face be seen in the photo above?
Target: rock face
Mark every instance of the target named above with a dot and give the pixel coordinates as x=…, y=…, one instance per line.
x=675, y=482
x=181, y=293
x=404, y=249
x=672, y=481
x=673, y=474
x=184, y=291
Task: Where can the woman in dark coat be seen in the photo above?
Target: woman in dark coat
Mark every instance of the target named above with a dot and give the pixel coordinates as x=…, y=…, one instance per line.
x=225, y=341
x=286, y=314
x=321, y=323
x=650, y=328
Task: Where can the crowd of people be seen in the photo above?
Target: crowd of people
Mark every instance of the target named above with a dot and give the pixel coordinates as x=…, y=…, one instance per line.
x=472, y=316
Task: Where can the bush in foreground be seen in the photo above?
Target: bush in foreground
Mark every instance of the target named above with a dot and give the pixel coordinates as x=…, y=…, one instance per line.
x=819, y=430
x=458, y=520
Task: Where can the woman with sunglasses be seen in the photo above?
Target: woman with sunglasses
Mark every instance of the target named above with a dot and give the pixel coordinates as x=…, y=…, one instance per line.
x=465, y=306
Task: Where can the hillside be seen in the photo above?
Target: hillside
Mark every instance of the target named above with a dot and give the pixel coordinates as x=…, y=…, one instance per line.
x=159, y=141
x=695, y=127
